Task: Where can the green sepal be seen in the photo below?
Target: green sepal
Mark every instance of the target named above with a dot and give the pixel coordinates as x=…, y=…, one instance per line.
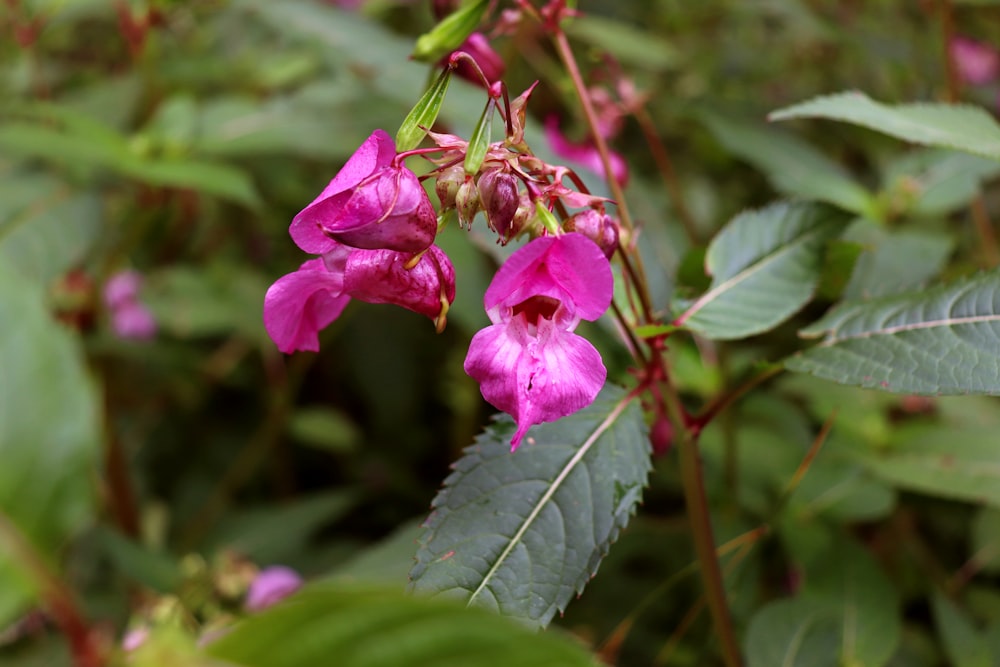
x=547, y=219
x=479, y=142
x=447, y=35
x=423, y=114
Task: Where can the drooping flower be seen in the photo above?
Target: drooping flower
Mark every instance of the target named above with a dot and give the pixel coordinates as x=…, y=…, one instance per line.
x=272, y=585
x=300, y=304
x=529, y=363
x=975, y=62
x=371, y=203
x=130, y=318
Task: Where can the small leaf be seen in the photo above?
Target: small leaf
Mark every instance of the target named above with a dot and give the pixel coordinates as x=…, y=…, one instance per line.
x=765, y=266
x=523, y=532
x=421, y=118
x=367, y=627
x=964, y=644
x=963, y=127
x=49, y=431
x=794, y=167
x=449, y=34
x=793, y=633
x=944, y=340
x=479, y=141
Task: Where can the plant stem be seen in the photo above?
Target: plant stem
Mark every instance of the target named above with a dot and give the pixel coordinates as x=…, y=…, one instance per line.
x=58, y=600
x=696, y=501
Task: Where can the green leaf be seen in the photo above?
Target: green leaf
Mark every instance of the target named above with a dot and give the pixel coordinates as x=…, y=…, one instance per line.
x=479, y=141
x=945, y=461
x=964, y=644
x=794, y=167
x=985, y=539
x=211, y=178
x=49, y=430
x=963, y=127
x=932, y=183
x=628, y=44
x=371, y=627
x=793, y=633
x=765, y=266
x=449, y=34
x=944, y=340
x=894, y=261
x=421, y=118
x=523, y=532
x=45, y=227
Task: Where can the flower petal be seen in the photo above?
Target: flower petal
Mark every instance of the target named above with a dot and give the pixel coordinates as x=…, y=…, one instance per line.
x=380, y=276
x=390, y=210
x=534, y=378
x=299, y=304
x=570, y=268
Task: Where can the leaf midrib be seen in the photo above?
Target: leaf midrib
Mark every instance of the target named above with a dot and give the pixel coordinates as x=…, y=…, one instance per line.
x=549, y=493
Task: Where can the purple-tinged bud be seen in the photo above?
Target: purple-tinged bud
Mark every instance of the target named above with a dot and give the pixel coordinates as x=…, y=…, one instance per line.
x=489, y=61
x=498, y=195
x=272, y=585
x=447, y=185
x=467, y=202
x=524, y=217
x=598, y=227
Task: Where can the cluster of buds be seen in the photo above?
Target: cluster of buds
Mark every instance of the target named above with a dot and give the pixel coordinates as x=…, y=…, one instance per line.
x=373, y=229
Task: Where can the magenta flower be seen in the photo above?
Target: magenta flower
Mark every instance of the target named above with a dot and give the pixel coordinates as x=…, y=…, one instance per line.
x=371, y=203
x=529, y=363
x=584, y=154
x=300, y=304
x=130, y=318
x=975, y=62
x=272, y=585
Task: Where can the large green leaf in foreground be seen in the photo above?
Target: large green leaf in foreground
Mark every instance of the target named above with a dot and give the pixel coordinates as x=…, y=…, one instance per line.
x=523, y=532
x=963, y=127
x=347, y=626
x=765, y=266
x=944, y=340
x=48, y=436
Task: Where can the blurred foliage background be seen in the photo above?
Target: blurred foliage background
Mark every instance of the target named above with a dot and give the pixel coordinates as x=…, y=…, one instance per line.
x=177, y=139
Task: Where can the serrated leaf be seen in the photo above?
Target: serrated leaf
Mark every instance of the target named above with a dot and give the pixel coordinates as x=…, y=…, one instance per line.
x=522, y=532
x=945, y=462
x=765, y=266
x=46, y=228
x=963, y=127
x=794, y=167
x=49, y=431
x=944, y=340
x=372, y=627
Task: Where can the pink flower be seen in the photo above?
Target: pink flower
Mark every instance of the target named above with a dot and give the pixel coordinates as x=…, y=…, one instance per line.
x=371, y=203
x=975, y=62
x=300, y=304
x=272, y=585
x=584, y=154
x=529, y=363
x=130, y=318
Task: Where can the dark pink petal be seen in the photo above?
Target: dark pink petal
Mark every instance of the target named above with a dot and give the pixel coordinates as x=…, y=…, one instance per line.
x=133, y=321
x=380, y=276
x=300, y=304
x=570, y=268
x=535, y=377
x=272, y=585
x=121, y=288
x=388, y=210
x=975, y=62
x=375, y=154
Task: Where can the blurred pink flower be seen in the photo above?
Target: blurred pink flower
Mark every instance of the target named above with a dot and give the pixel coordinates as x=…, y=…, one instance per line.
x=584, y=154
x=529, y=363
x=976, y=63
x=272, y=585
x=130, y=318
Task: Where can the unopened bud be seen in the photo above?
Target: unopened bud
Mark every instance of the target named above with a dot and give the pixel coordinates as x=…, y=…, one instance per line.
x=467, y=202
x=600, y=228
x=498, y=195
x=524, y=217
x=447, y=185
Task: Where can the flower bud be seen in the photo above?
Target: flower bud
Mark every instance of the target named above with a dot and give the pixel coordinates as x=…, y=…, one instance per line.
x=598, y=227
x=524, y=217
x=467, y=202
x=447, y=185
x=272, y=585
x=498, y=195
